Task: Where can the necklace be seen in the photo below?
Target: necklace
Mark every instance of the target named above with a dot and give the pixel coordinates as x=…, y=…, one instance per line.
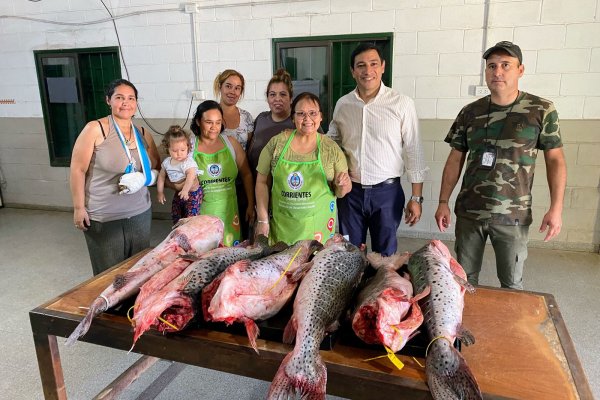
x=128, y=140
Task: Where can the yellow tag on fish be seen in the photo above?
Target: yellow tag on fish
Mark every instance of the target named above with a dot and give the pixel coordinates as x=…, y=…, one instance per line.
x=393, y=358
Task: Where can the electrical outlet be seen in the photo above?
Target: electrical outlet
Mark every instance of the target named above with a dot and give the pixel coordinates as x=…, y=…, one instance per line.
x=198, y=94
x=481, y=90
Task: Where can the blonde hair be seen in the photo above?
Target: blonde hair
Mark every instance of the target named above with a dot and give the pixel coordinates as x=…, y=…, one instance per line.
x=281, y=76
x=222, y=77
x=175, y=132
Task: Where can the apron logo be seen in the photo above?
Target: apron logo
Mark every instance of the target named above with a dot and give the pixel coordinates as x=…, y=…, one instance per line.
x=318, y=236
x=214, y=170
x=295, y=180
x=330, y=224
x=332, y=206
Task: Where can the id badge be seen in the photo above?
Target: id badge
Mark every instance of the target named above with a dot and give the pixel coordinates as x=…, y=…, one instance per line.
x=488, y=158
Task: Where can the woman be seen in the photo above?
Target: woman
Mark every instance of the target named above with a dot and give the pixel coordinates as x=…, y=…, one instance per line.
x=276, y=120
x=308, y=170
x=116, y=226
x=219, y=159
x=229, y=87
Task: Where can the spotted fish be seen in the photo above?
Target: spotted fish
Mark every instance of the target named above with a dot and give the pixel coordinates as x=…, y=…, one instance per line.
x=448, y=374
x=190, y=235
x=178, y=301
x=323, y=295
x=249, y=291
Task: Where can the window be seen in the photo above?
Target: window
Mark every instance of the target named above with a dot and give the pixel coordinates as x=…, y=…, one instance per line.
x=72, y=86
x=321, y=65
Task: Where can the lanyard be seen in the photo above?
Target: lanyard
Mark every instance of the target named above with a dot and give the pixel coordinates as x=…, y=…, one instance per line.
x=145, y=160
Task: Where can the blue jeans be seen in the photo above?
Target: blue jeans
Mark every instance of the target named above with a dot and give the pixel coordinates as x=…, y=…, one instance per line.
x=378, y=210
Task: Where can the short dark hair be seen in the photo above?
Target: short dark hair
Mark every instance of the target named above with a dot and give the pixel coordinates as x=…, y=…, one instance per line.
x=203, y=107
x=110, y=89
x=306, y=96
x=361, y=48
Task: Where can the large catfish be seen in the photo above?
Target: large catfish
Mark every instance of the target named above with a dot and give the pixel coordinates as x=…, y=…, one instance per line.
x=323, y=295
x=448, y=374
x=178, y=301
x=382, y=306
x=249, y=291
x=190, y=235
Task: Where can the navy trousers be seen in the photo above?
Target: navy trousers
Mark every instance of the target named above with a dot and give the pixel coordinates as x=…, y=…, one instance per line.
x=376, y=209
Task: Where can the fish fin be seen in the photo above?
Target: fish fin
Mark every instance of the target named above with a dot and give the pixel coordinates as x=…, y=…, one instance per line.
x=98, y=306
x=189, y=257
x=253, y=331
x=448, y=375
x=395, y=261
x=465, y=336
x=240, y=265
x=182, y=221
x=424, y=293
x=308, y=385
x=289, y=333
x=460, y=276
x=298, y=273
x=335, y=325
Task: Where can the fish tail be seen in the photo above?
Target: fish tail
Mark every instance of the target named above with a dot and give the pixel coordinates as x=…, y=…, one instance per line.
x=448, y=375
x=98, y=306
x=252, y=330
x=287, y=384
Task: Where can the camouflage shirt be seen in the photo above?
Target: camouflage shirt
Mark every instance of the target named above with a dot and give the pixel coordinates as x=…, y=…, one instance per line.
x=502, y=194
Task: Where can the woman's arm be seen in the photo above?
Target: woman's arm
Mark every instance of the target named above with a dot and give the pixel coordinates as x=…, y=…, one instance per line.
x=262, y=205
x=244, y=170
x=80, y=162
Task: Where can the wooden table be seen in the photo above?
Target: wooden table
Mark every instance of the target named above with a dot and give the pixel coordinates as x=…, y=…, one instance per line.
x=522, y=349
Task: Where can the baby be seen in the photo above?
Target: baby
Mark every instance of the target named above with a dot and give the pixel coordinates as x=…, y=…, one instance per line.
x=180, y=168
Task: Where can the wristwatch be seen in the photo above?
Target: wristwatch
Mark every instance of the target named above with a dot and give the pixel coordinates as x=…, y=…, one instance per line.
x=418, y=199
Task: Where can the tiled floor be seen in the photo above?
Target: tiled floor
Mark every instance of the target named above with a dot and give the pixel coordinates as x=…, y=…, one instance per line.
x=42, y=255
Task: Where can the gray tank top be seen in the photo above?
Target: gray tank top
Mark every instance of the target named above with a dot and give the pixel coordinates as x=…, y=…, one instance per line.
x=102, y=199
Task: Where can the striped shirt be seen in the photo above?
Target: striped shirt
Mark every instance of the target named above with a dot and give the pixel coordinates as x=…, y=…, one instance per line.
x=374, y=135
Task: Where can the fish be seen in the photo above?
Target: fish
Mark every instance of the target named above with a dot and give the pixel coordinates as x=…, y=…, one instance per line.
x=190, y=235
x=322, y=297
x=248, y=291
x=448, y=375
x=380, y=316
x=178, y=301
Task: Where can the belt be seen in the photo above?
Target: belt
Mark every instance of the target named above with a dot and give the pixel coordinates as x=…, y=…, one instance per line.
x=389, y=181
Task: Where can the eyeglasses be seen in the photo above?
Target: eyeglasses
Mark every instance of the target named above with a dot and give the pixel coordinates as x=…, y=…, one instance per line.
x=312, y=114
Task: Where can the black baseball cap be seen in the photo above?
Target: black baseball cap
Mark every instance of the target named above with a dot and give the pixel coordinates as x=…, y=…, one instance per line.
x=506, y=46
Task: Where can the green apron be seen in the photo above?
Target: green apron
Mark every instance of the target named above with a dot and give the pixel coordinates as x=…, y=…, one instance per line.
x=303, y=205
x=217, y=173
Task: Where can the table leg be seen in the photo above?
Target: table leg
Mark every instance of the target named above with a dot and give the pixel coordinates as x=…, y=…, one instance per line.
x=51, y=372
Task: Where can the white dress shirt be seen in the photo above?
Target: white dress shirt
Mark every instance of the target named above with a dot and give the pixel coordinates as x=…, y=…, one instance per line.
x=373, y=136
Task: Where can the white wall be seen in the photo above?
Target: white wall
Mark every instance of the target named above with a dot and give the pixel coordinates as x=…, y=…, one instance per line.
x=437, y=46
x=437, y=58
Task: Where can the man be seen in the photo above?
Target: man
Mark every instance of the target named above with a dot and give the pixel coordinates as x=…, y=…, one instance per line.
x=500, y=136
x=374, y=126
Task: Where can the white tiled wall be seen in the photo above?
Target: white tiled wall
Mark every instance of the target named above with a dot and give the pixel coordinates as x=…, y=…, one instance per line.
x=437, y=58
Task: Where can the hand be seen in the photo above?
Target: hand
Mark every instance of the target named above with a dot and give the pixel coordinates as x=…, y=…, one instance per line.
x=553, y=221
x=81, y=219
x=342, y=179
x=443, y=217
x=261, y=228
x=412, y=213
x=131, y=183
x=160, y=196
x=184, y=195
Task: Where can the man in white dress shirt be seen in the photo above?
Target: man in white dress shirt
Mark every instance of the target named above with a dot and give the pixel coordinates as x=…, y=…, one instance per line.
x=375, y=126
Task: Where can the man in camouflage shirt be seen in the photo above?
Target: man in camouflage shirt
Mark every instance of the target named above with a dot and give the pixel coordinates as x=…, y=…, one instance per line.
x=499, y=136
